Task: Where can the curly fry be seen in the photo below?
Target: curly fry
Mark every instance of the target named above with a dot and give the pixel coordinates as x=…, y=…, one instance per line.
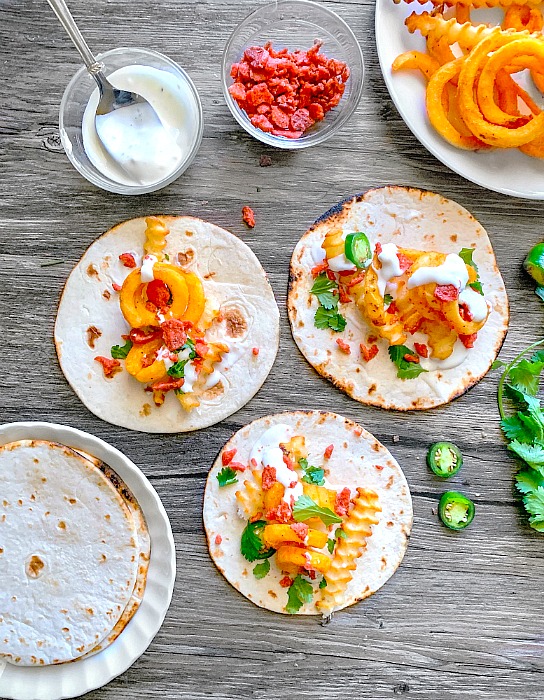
x=416, y=60
x=155, y=237
x=466, y=35
x=473, y=3
x=521, y=17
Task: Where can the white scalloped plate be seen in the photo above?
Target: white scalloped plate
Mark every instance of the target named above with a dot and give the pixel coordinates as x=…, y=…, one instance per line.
x=508, y=171
x=73, y=679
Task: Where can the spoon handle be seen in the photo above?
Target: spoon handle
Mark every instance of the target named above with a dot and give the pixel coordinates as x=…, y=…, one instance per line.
x=60, y=8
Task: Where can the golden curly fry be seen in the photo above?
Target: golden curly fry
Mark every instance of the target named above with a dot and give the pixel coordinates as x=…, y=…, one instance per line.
x=416, y=60
x=155, y=237
x=440, y=339
x=475, y=4
x=358, y=528
x=520, y=17
x=466, y=35
x=333, y=244
x=439, y=49
x=250, y=499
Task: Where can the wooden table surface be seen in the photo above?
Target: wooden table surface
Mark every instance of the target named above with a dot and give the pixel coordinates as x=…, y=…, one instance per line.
x=462, y=618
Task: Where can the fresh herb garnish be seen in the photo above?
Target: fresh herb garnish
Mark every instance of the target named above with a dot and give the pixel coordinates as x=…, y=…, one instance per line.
x=330, y=545
x=466, y=255
x=406, y=370
x=252, y=546
x=226, y=477
x=323, y=583
x=300, y=592
x=261, y=569
x=387, y=299
x=524, y=429
x=327, y=315
x=119, y=352
x=312, y=475
x=167, y=257
x=331, y=542
x=177, y=370
x=306, y=508
x=189, y=345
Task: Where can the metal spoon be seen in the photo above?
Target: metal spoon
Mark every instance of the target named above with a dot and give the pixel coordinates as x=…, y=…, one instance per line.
x=111, y=98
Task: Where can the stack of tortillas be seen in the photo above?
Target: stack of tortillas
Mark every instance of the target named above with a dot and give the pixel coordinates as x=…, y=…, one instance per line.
x=74, y=554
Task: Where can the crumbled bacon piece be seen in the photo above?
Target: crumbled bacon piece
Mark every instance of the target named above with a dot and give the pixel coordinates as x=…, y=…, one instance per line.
x=368, y=353
x=331, y=276
x=165, y=385
x=127, y=259
x=281, y=514
x=227, y=456
x=300, y=530
x=411, y=358
x=218, y=539
x=344, y=347
x=341, y=505
x=356, y=280
x=378, y=467
x=328, y=451
x=237, y=466
x=468, y=340
x=288, y=461
x=268, y=478
x=111, y=367
x=311, y=572
x=318, y=269
x=201, y=347
x=465, y=313
x=404, y=261
x=116, y=287
x=138, y=336
x=286, y=581
x=378, y=249
x=174, y=333
x=158, y=293
x=446, y=292
x=392, y=308
x=421, y=349
x=344, y=296
x=93, y=333
x=248, y=217
x=255, y=351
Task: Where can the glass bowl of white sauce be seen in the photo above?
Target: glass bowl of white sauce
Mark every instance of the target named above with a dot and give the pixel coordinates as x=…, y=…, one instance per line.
x=171, y=93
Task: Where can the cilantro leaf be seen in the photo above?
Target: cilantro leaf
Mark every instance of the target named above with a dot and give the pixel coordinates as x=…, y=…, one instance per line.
x=178, y=369
x=532, y=454
x=524, y=400
x=526, y=375
x=323, y=289
x=323, y=583
x=341, y=533
x=477, y=286
x=537, y=523
x=529, y=480
x=252, y=546
x=406, y=370
x=300, y=592
x=387, y=299
x=167, y=257
x=312, y=475
x=329, y=318
x=466, y=255
x=189, y=345
x=330, y=545
x=306, y=508
x=497, y=364
x=534, y=502
x=539, y=291
x=119, y=352
x=262, y=569
x=538, y=356
x=515, y=429
x=226, y=477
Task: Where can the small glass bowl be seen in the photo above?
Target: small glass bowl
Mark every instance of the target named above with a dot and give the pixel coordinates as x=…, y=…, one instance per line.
x=296, y=24
x=76, y=97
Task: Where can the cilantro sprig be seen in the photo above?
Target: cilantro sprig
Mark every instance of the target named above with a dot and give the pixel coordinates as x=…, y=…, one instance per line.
x=177, y=370
x=298, y=593
x=327, y=314
x=331, y=542
x=306, y=508
x=312, y=475
x=262, y=569
x=119, y=352
x=227, y=476
x=524, y=428
x=252, y=545
x=466, y=255
x=405, y=369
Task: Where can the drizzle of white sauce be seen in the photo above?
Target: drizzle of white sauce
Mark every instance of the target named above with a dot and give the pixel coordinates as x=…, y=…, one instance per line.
x=457, y=357
x=318, y=254
x=164, y=355
x=452, y=271
x=190, y=376
x=272, y=437
x=476, y=303
x=341, y=264
x=146, y=271
x=390, y=266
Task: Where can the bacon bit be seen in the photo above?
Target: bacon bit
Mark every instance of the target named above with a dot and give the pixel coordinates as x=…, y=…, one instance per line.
x=368, y=353
x=159, y=293
x=328, y=451
x=174, y=333
x=166, y=385
x=237, y=466
x=288, y=460
x=253, y=463
x=465, y=313
x=422, y=349
x=356, y=280
x=218, y=539
x=311, y=573
x=257, y=516
x=138, y=336
x=344, y=347
x=116, y=287
x=358, y=431
x=318, y=269
x=468, y=340
x=341, y=504
x=268, y=478
x=330, y=275
x=92, y=335
x=286, y=581
x=344, y=296
x=372, y=339
x=148, y=360
x=404, y=261
x=378, y=467
x=248, y=217
x=281, y=514
x=345, y=273
x=127, y=259
x=300, y=530
x=151, y=307
x=201, y=347
x=111, y=367
x=411, y=358
x=392, y=308
x=446, y=292
x=228, y=456
x=255, y=351
x=106, y=294
x=378, y=248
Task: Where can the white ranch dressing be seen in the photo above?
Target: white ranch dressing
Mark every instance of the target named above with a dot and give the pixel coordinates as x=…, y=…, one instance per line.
x=341, y=264
x=161, y=142
x=214, y=378
x=457, y=357
x=164, y=355
x=190, y=377
x=390, y=266
x=272, y=437
x=318, y=254
x=476, y=304
x=146, y=271
x=452, y=271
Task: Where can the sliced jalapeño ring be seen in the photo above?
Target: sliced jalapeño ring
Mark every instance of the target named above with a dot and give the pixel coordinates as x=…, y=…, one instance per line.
x=444, y=459
x=456, y=510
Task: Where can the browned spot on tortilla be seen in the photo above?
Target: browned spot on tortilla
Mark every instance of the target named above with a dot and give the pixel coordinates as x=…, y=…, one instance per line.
x=65, y=629
x=345, y=445
x=44, y=479
x=214, y=391
x=32, y=497
x=384, y=562
x=1, y=550
x=453, y=237
x=36, y=461
x=389, y=524
x=186, y=257
x=272, y=594
x=62, y=525
x=189, y=233
x=107, y=517
x=73, y=501
x=389, y=482
x=300, y=324
x=375, y=447
x=104, y=557
x=34, y=566
x=47, y=512
x=92, y=270
x=106, y=294
x=93, y=333
x=322, y=418
x=209, y=275
x=372, y=388
x=146, y=409
x=236, y=323
x=439, y=375
x=90, y=611
x=20, y=502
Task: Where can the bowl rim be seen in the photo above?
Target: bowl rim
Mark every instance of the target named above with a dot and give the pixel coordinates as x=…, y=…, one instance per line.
x=278, y=141
x=103, y=181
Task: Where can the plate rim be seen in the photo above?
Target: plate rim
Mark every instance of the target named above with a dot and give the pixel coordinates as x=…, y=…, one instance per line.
x=157, y=519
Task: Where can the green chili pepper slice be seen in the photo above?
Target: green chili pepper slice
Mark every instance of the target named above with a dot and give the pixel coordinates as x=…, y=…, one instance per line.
x=444, y=459
x=456, y=511
x=357, y=249
x=534, y=263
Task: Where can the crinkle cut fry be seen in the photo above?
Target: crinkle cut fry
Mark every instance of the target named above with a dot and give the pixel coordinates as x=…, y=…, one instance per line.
x=474, y=4
x=155, y=237
x=466, y=35
x=358, y=528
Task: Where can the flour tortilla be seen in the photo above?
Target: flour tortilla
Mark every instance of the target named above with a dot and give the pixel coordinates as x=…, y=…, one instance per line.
x=233, y=280
x=358, y=459
x=409, y=218
x=74, y=549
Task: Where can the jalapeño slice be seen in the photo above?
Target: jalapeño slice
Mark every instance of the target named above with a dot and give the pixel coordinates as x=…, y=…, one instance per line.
x=534, y=263
x=444, y=459
x=357, y=249
x=456, y=511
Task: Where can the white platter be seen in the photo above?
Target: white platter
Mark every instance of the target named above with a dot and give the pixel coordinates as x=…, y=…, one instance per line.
x=503, y=170
x=79, y=677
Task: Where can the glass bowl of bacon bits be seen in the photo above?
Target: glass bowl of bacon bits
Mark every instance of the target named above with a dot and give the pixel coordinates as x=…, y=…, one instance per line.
x=292, y=73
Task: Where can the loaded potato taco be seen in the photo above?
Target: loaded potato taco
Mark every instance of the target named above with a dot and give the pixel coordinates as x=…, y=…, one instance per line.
x=306, y=512
x=167, y=324
x=395, y=296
